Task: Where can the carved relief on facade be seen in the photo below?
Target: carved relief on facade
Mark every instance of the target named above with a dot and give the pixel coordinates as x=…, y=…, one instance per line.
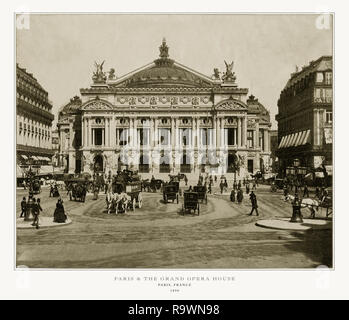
x=143, y=99
x=251, y=123
x=153, y=101
x=184, y=100
x=174, y=101
x=122, y=100
x=205, y=100
x=97, y=105
x=132, y=101
x=195, y=101
x=230, y=105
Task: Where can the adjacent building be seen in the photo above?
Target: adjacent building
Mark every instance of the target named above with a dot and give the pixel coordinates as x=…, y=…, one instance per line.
x=33, y=122
x=164, y=118
x=305, y=118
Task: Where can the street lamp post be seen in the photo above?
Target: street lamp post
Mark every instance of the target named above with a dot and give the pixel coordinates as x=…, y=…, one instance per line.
x=296, y=205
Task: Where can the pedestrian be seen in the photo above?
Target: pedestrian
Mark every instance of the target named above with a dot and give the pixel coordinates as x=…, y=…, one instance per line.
x=254, y=185
x=317, y=193
x=225, y=184
x=210, y=188
x=215, y=179
x=190, y=189
x=253, y=199
x=239, y=185
x=247, y=188
x=186, y=180
x=36, y=210
x=235, y=185
x=232, y=196
x=285, y=191
x=240, y=196
x=306, y=191
x=221, y=185
x=23, y=207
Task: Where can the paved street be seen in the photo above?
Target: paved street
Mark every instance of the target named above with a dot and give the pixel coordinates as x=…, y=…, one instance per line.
x=158, y=236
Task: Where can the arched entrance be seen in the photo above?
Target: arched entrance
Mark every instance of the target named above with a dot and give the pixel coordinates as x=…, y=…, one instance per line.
x=98, y=163
x=164, y=166
x=232, y=162
x=144, y=163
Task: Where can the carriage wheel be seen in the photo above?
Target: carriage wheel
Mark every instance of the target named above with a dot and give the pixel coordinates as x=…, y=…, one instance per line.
x=134, y=204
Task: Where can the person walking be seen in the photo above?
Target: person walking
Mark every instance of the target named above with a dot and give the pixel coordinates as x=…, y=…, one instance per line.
x=235, y=185
x=253, y=199
x=305, y=191
x=37, y=208
x=239, y=185
x=210, y=188
x=221, y=185
x=23, y=207
x=247, y=188
x=232, y=195
x=240, y=196
x=317, y=193
x=186, y=180
x=254, y=185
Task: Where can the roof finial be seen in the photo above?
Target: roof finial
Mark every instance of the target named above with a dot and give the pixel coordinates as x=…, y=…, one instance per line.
x=164, y=49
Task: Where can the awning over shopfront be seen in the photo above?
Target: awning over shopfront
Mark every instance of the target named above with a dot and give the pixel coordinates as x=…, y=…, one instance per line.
x=295, y=139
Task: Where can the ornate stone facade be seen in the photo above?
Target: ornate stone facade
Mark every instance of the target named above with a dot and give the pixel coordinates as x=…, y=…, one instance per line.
x=165, y=118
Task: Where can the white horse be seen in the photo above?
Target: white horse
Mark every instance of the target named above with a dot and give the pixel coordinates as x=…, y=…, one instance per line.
x=306, y=203
x=114, y=199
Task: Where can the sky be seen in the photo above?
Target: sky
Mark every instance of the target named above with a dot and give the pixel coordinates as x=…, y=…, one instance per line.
x=60, y=49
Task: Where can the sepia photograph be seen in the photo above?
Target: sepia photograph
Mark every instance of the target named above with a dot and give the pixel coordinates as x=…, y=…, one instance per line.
x=174, y=141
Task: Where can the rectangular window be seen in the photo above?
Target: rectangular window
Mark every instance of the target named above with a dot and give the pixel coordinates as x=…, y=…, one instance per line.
x=319, y=77
x=328, y=77
x=124, y=137
x=250, y=138
x=165, y=137
x=143, y=137
x=231, y=136
x=204, y=137
x=185, y=135
x=329, y=117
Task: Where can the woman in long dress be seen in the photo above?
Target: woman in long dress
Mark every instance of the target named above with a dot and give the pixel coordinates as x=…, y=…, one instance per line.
x=59, y=214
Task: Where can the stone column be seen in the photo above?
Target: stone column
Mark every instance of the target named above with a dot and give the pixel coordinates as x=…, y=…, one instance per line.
x=135, y=133
x=257, y=134
x=266, y=140
x=218, y=132
x=223, y=142
x=156, y=133
x=173, y=134
x=239, y=136
x=244, y=132
x=83, y=132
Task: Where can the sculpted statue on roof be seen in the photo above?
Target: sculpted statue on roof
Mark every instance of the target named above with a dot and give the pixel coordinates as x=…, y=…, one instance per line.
x=99, y=75
x=229, y=75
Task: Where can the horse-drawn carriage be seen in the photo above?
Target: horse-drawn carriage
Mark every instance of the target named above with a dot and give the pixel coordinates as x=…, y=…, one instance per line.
x=35, y=186
x=76, y=189
x=202, y=193
x=170, y=191
x=191, y=202
x=152, y=185
x=54, y=190
x=125, y=193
